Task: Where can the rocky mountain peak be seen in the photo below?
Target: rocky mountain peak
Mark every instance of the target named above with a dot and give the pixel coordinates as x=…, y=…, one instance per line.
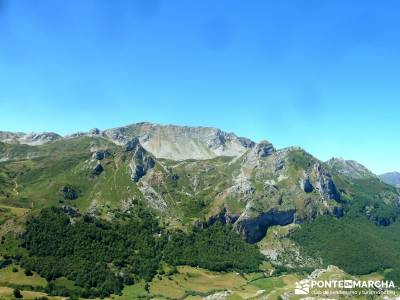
x=349, y=168
x=264, y=148
x=181, y=142
x=259, y=151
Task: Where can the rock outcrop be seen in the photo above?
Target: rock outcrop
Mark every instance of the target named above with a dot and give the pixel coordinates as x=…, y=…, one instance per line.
x=242, y=187
x=154, y=199
x=101, y=154
x=306, y=185
x=141, y=162
x=68, y=192
x=98, y=169
x=222, y=217
x=132, y=144
x=263, y=149
x=325, y=184
x=219, y=295
x=247, y=143
x=253, y=229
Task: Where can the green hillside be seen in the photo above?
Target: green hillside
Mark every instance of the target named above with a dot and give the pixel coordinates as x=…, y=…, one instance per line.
x=94, y=215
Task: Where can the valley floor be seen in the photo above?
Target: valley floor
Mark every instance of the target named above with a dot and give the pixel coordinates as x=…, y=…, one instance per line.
x=194, y=283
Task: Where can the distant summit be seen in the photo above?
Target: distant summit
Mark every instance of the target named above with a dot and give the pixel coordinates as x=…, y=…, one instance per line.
x=349, y=168
x=392, y=178
x=33, y=139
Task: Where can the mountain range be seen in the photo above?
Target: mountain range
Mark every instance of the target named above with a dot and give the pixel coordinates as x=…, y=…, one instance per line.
x=196, y=177
x=187, y=174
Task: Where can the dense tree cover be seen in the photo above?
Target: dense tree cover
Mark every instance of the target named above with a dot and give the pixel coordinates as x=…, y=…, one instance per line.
x=216, y=248
x=101, y=256
x=376, y=210
x=98, y=255
x=354, y=244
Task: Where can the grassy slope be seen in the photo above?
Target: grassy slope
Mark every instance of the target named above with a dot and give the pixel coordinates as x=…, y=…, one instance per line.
x=195, y=283
x=36, y=182
x=191, y=187
x=9, y=277
x=193, y=190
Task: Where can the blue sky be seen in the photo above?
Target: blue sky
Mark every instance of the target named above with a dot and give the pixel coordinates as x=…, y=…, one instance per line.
x=323, y=75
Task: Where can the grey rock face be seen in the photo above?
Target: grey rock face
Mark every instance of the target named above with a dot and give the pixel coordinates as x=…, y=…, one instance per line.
x=306, y=185
x=223, y=217
x=263, y=149
x=131, y=145
x=181, y=142
x=68, y=192
x=141, y=162
x=101, y=154
x=242, y=187
x=247, y=143
x=117, y=135
x=163, y=141
x=254, y=229
x=279, y=165
x=152, y=197
x=219, y=295
x=97, y=170
x=325, y=184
